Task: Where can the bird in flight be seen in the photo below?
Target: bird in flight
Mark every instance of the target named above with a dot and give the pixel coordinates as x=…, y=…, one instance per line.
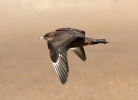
x=62, y=39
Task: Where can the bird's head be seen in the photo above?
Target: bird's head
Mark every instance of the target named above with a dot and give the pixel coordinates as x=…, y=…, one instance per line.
x=46, y=36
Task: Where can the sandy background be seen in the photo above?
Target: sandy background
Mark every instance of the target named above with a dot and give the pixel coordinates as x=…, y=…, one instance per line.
x=110, y=72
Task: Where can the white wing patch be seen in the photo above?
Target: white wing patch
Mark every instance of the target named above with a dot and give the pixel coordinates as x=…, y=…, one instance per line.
x=60, y=68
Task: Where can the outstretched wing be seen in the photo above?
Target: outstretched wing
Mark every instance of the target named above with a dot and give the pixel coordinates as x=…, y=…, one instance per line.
x=80, y=52
x=60, y=63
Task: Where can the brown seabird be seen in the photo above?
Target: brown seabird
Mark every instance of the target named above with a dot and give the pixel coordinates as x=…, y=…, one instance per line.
x=62, y=39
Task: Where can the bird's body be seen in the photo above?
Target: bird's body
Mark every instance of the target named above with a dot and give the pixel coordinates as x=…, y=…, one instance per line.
x=62, y=39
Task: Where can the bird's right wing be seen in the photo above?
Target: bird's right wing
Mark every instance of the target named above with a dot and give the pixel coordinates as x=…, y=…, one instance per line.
x=80, y=52
x=71, y=29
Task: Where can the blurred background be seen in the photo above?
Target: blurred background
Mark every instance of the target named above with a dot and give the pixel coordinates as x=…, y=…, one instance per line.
x=110, y=71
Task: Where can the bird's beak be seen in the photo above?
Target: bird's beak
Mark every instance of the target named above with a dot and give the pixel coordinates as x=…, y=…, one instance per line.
x=41, y=38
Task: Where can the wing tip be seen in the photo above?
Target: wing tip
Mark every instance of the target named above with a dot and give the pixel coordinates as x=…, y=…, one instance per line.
x=61, y=72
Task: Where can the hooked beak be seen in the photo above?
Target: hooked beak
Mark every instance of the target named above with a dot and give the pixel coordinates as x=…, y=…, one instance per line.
x=41, y=38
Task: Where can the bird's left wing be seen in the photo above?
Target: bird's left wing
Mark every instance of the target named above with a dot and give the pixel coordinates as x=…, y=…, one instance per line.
x=58, y=47
x=60, y=63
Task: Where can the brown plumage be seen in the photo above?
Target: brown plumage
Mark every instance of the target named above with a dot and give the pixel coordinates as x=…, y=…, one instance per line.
x=62, y=39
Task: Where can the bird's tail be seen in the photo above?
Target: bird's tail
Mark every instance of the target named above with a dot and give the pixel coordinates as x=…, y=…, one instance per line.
x=90, y=41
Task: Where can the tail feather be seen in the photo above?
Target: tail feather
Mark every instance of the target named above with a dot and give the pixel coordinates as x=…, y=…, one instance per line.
x=95, y=41
x=99, y=41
